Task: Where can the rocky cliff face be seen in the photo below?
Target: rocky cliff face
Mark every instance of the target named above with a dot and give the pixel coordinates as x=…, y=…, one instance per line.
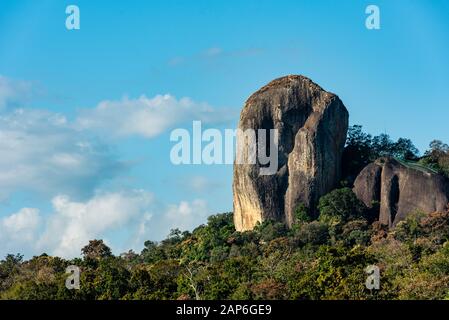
x=401, y=189
x=312, y=126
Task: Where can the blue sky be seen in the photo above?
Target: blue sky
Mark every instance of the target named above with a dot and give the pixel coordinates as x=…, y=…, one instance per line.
x=86, y=115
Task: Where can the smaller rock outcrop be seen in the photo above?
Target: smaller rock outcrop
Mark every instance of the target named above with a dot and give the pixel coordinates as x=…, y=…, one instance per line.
x=401, y=189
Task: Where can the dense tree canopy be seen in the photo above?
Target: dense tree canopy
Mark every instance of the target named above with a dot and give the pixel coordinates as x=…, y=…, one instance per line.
x=362, y=148
x=437, y=157
x=319, y=259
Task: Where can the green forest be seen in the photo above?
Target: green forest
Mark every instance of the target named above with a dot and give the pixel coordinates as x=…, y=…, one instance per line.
x=320, y=257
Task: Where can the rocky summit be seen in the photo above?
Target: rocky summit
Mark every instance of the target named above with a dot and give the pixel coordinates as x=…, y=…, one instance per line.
x=312, y=125
x=401, y=189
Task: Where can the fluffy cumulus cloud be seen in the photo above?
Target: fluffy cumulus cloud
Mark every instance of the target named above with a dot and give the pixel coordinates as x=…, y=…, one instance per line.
x=19, y=229
x=69, y=162
x=42, y=152
x=148, y=117
x=71, y=224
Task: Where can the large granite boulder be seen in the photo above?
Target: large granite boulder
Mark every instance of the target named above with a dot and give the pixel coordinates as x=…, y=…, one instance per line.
x=401, y=189
x=312, y=126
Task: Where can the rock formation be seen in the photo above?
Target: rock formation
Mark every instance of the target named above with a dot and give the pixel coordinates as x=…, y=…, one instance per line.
x=401, y=189
x=312, y=126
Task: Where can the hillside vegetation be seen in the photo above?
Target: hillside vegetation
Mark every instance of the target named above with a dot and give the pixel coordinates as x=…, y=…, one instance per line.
x=321, y=258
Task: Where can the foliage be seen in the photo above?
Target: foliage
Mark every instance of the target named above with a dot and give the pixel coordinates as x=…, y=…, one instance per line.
x=317, y=259
x=362, y=148
x=96, y=249
x=302, y=213
x=437, y=157
x=340, y=205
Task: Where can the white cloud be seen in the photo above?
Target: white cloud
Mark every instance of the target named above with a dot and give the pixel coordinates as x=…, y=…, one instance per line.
x=186, y=215
x=25, y=219
x=71, y=224
x=21, y=225
x=44, y=152
x=13, y=92
x=19, y=230
x=148, y=117
x=41, y=152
